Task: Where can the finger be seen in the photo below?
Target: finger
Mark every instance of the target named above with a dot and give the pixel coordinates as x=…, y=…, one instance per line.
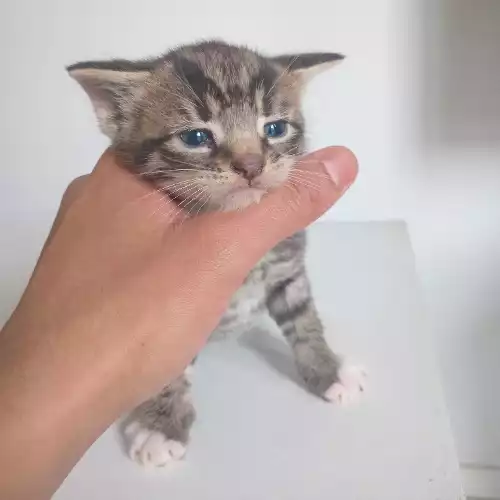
x=329, y=173
x=73, y=191
x=318, y=181
x=116, y=189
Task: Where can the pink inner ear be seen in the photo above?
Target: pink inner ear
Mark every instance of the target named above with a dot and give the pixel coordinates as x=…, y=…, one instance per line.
x=308, y=61
x=107, y=90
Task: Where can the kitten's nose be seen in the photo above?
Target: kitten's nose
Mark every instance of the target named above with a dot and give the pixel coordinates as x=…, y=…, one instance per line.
x=248, y=165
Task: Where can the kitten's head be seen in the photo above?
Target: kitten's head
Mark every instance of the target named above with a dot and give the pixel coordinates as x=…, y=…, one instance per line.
x=214, y=125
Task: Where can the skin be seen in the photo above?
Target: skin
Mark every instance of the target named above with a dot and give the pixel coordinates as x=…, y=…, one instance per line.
x=125, y=293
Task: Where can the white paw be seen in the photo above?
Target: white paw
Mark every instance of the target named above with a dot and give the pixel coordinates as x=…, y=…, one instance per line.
x=352, y=382
x=152, y=448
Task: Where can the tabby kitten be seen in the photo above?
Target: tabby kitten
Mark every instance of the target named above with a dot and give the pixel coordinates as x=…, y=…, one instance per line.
x=215, y=127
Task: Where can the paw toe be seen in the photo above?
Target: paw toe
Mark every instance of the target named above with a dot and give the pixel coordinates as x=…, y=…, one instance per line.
x=348, y=388
x=152, y=448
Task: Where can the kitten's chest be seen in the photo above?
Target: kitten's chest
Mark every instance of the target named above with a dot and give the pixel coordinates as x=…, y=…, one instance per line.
x=276, y=265
x=247, y=301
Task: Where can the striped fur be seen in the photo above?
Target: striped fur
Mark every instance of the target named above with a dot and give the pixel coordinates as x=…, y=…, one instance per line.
x=231, y=92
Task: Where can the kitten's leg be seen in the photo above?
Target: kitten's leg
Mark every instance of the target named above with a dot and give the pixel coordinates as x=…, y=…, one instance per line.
x=290, y=304
x=158, y=430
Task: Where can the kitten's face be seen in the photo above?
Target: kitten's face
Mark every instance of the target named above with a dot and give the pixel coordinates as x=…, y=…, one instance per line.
x=215, y=126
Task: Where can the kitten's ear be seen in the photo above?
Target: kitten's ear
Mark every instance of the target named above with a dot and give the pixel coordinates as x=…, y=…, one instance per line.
x=309, y=64
x=111, y=87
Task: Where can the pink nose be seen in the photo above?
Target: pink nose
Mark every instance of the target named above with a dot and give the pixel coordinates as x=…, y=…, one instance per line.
x=248, y=165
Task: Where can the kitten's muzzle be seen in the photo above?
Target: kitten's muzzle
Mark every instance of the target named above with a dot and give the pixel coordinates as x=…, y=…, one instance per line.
x=248, y=165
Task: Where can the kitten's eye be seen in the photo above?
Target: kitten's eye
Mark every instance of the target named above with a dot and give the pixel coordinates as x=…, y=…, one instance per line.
x=276, y=129
x=196, y=138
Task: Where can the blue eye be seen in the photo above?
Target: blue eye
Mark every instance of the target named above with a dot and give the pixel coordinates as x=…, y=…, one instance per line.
x=275, y=129
x=196, y=138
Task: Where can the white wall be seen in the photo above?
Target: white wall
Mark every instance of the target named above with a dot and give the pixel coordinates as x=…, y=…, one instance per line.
x=417, y=100
x=453, y=142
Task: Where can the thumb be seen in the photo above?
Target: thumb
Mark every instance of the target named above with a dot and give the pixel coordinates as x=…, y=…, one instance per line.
x=315, y=183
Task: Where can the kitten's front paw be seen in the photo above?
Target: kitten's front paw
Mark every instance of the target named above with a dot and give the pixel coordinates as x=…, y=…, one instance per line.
x=152, y=448
x=349, y=386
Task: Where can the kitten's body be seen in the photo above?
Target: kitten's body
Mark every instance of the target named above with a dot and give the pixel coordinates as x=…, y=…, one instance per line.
x=242, y=112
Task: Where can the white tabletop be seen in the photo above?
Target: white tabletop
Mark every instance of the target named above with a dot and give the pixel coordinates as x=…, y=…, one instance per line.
x=259, y=435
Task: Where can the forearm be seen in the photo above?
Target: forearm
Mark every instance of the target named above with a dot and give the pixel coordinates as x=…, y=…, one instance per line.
x=53, y=406
x=62, y=384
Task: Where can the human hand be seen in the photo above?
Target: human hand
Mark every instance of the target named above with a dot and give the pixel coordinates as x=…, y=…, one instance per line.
x=141, y=287
x=126, y=293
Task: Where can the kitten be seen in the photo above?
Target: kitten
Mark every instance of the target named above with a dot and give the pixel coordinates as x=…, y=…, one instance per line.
x=216, y=126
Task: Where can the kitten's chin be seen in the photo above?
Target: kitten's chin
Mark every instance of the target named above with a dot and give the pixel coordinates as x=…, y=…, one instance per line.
x=241, y=198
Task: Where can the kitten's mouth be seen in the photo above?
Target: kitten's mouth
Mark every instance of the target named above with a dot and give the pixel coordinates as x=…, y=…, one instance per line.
x=240, y=197
x=252, y=187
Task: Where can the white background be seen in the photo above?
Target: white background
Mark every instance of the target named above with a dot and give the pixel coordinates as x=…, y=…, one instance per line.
x=417, y=99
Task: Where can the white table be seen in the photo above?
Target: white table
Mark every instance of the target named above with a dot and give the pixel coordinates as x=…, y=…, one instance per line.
x=260, y=436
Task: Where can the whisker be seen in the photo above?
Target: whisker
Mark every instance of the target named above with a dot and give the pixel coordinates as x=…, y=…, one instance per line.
x=185, y=82
x=162, y=204
x=186, y=202
x=171, y=213
x=184, y=182
x=171, y=209
x=308, y=173
x=311, y=179
x=198, y=202
x=304, y=183
x=141, y=198
x=157, y=190
x=184, y=190
x=192, y=197
x=295, y=195
x=147, y=172
x=179, y=188
x=182, y=98
x=287, y=152
x=166, y=187
x=282, y=75
x=305, y=161
x=189, y=164
x=171, y=169
x=202, y=200
x=209, y=196
x=190, y=170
